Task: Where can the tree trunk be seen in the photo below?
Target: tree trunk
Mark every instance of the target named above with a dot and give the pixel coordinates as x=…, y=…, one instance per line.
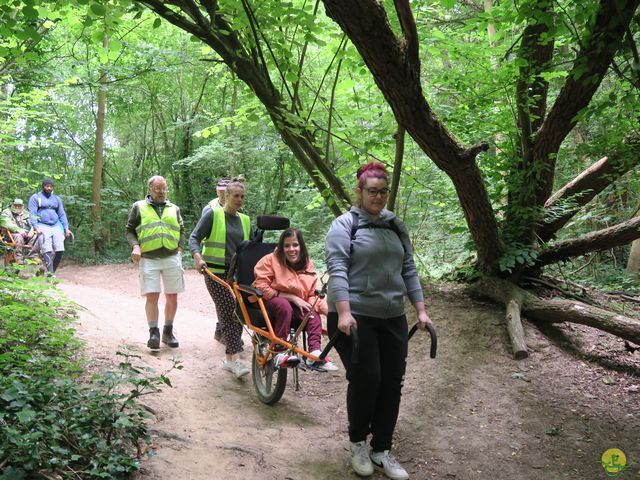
x=491, y=28
x=98, y=163
x=397, y=168
x=633, y=265
x=560, y=310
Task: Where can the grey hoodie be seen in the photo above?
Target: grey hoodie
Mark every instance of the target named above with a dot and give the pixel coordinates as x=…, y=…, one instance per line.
x=378, y=274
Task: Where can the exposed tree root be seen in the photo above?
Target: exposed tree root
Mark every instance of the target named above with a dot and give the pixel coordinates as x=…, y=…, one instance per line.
x=554, y=310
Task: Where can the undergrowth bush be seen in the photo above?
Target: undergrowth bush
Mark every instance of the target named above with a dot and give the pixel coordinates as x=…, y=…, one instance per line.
x=56, y=420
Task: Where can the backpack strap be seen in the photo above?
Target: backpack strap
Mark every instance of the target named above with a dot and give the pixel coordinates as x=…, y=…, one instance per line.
x=354, y=229
x=392, y=225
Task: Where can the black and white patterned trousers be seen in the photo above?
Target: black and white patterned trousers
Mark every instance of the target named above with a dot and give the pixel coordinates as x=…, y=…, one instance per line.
x=225, y=307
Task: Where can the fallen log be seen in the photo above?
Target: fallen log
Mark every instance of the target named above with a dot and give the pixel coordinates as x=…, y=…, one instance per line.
x=559, y=310
x=511, y=296
x=516, y=330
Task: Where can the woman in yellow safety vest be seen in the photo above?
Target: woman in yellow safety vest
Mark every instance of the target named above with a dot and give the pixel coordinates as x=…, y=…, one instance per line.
x=219, y=231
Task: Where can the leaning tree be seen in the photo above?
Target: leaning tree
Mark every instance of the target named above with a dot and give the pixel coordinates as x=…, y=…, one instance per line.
x=533, y=214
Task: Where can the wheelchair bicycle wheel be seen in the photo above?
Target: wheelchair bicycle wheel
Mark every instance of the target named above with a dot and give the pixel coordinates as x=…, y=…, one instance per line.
x=268, y=381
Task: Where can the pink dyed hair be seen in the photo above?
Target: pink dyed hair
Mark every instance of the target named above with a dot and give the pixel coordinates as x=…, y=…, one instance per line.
x=371, y=170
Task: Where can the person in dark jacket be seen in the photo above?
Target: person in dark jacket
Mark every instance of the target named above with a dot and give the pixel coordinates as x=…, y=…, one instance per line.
x=49, y=219
x=371, y=271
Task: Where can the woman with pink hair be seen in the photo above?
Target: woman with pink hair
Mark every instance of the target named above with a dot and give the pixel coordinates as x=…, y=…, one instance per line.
x=370, y=262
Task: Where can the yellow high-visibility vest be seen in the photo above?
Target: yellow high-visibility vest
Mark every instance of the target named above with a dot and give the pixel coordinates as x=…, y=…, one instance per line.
x=214, y=248
x=155, y=232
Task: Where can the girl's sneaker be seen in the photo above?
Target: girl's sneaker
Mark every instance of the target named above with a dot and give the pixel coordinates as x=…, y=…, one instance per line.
x=327, y=365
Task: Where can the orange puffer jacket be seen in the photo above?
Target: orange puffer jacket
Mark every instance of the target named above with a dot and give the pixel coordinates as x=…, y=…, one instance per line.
x=272, y=277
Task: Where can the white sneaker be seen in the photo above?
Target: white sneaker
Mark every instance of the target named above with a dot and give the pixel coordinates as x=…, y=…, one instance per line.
x=236, y=367
x=360, y=460
x=285, y=360
x=327, y=365
x=386, y=462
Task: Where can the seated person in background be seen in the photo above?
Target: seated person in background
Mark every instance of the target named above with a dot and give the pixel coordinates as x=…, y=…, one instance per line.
x=288, y=283
x=13, y=219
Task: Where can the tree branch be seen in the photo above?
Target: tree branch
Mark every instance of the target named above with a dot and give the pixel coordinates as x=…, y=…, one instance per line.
x=397, y=168
x=253, y=25
x=600, y=240
x=408, y=24
x=589, y=68
x=568, y=200
x=211, y=6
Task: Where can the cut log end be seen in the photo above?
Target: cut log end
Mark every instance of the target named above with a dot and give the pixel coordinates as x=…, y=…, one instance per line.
x=521, y=355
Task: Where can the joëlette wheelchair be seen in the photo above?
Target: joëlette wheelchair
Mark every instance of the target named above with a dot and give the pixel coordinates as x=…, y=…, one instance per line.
x=269, y=381
x=8, y=245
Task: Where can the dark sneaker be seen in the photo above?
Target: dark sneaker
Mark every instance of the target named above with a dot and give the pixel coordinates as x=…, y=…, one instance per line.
x=168, y=338
x=386, y=462
x=154, y=338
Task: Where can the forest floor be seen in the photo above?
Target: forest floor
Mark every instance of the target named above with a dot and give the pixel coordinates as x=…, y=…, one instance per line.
x=471, y=413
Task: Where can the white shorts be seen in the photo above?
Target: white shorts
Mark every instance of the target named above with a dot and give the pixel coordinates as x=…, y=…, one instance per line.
x=52, y=238
x=169, y=268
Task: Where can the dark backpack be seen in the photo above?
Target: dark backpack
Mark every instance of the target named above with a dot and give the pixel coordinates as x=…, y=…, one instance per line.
x=392, y=225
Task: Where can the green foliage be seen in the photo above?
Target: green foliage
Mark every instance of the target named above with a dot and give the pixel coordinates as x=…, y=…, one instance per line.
x=53, y=420
x=517, y=255
x=29, y=318
x=174, y=109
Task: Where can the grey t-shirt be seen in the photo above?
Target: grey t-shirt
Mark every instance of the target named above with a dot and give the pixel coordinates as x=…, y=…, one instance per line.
x=234, y=233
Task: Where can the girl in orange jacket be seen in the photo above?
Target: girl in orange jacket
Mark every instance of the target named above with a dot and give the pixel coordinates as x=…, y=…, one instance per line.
x=288, y=282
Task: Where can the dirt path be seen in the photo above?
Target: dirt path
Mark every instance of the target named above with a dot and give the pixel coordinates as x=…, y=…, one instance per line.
x=473, y=413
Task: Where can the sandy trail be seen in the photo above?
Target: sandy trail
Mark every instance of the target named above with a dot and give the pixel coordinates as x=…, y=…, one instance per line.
x=473, y=413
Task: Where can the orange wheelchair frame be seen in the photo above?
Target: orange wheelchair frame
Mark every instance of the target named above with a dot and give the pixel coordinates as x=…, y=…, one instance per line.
x=8, y=245
x=270, y=381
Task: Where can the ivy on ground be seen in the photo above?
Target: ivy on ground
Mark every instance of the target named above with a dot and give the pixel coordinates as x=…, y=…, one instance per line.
x=56, y=421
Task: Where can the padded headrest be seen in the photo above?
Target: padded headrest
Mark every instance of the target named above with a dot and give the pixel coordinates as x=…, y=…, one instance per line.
x=272, y=222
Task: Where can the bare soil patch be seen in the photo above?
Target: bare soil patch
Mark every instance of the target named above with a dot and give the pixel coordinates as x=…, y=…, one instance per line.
x=472, y=413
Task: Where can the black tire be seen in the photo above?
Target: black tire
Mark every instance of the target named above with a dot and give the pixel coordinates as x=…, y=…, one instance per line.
x=268, y=382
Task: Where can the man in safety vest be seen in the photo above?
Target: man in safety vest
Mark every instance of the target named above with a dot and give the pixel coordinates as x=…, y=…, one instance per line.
x=155, y=231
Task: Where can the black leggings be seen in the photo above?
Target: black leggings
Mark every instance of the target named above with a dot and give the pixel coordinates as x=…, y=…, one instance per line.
x=375, y=382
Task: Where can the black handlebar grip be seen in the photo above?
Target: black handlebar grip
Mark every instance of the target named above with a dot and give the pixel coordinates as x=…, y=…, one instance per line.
x=355, y=346
x=432, y=334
